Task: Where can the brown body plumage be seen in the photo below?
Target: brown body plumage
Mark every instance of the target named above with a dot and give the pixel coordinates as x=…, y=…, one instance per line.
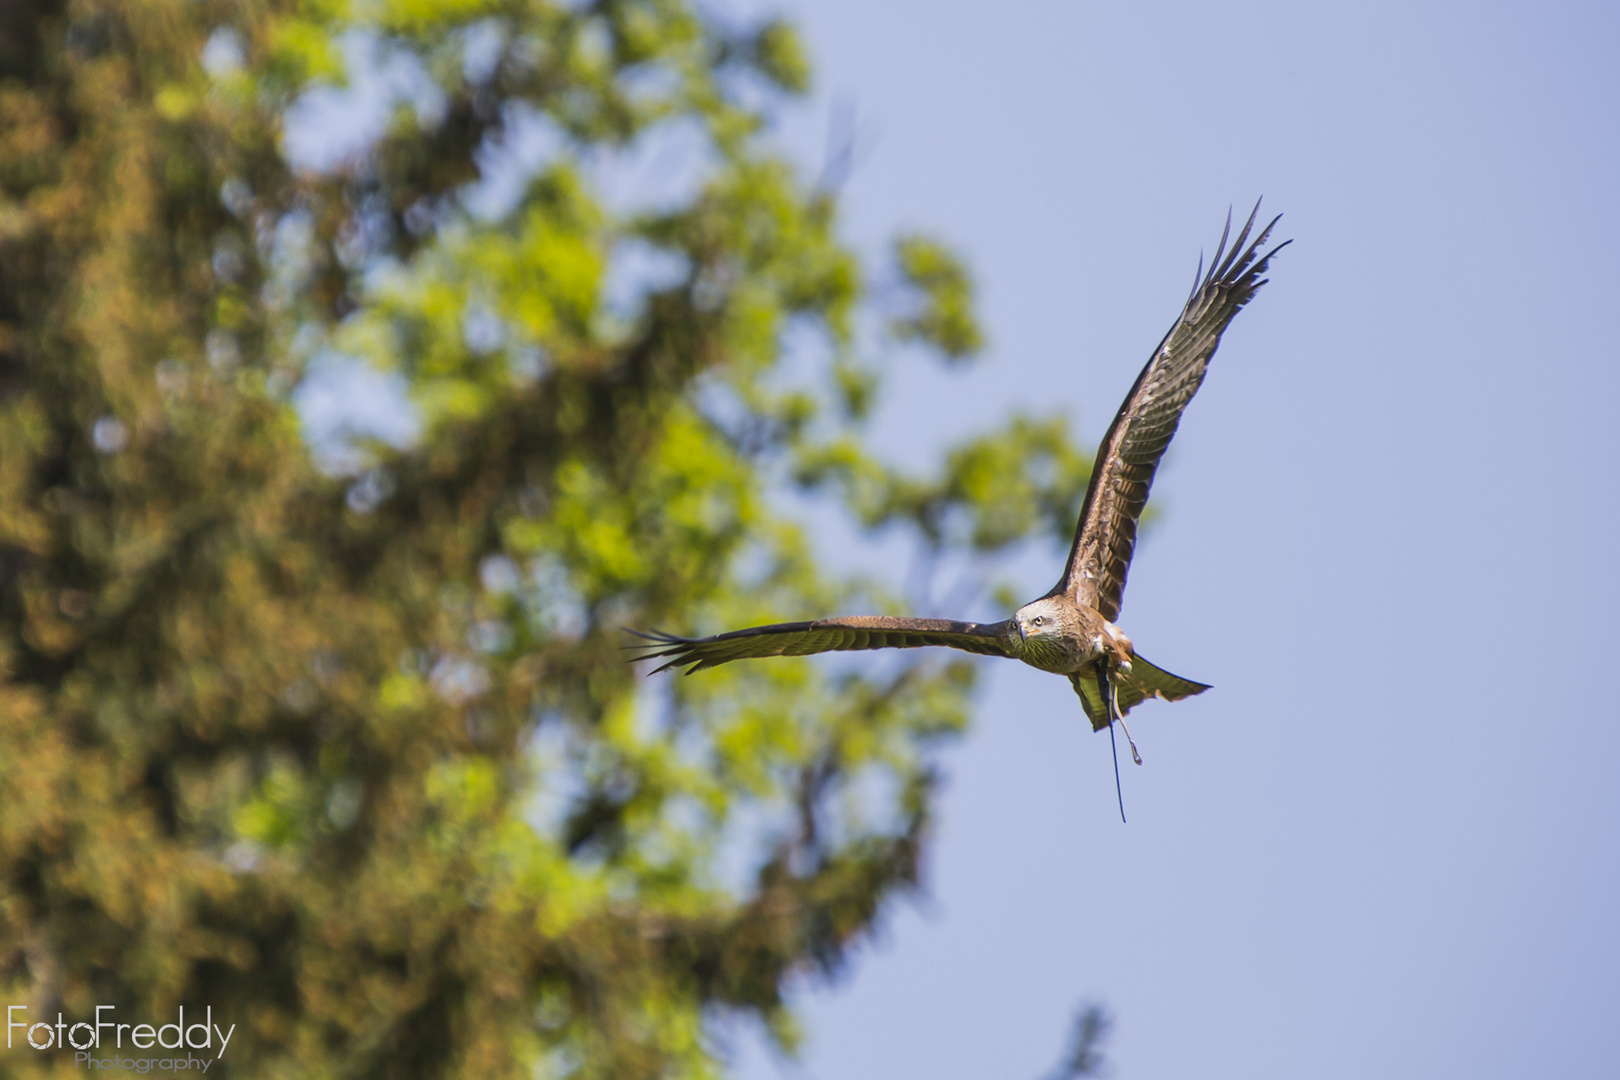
x=1070, y=630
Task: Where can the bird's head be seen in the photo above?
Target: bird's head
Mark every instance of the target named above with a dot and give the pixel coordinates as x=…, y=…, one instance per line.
x=1039, y=618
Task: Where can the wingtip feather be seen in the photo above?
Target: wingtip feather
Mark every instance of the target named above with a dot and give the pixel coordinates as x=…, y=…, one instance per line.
x=1238, y=250
x=1220, y=248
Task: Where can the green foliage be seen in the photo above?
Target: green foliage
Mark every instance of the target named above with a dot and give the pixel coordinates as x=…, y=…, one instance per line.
x=994, y=490
x=943, y=309
x=357, y=760
x=780, y=56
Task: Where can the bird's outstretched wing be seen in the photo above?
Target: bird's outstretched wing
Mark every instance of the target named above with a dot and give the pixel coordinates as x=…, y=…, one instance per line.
x=824, y=635
x=1143, y=681
x=1105, y=536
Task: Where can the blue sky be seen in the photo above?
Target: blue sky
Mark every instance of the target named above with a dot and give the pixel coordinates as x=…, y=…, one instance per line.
x=1387, y=843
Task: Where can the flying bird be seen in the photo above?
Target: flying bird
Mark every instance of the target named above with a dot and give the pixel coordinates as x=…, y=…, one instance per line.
x=1069, y=631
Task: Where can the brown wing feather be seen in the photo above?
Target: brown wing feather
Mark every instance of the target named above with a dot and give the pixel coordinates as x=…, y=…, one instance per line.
x=1105, y=536
x=823, y=635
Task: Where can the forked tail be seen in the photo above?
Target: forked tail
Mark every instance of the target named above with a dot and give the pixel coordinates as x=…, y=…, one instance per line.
x=1131, y=688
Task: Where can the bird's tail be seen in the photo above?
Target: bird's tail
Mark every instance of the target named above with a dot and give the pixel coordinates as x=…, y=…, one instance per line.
x=1143, y=681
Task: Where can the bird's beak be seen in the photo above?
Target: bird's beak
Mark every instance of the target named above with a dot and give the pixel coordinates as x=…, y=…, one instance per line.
x=1021, y=635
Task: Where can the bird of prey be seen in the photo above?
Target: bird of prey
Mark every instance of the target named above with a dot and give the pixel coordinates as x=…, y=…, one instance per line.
x=1069, y=631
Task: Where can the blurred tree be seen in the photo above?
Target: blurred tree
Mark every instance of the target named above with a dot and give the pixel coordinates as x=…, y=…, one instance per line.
x=350, y=752
x=1084, y=1056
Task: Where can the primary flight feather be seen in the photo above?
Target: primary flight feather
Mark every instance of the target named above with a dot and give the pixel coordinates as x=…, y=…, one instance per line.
x=1069, y=631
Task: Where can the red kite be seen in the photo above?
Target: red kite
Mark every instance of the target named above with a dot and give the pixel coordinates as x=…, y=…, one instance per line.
x=1070, y=630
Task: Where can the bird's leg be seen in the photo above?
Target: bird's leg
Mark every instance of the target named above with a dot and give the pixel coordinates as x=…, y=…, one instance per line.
x=1119, y=645
x=1110, y=691
x=1135, y=755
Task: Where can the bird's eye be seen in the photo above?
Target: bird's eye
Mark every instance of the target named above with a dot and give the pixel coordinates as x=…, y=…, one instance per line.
x=1039, y=619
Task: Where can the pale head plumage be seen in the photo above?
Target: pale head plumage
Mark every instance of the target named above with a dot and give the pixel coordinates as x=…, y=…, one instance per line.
x=1051, y=634
x=1047, y=617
